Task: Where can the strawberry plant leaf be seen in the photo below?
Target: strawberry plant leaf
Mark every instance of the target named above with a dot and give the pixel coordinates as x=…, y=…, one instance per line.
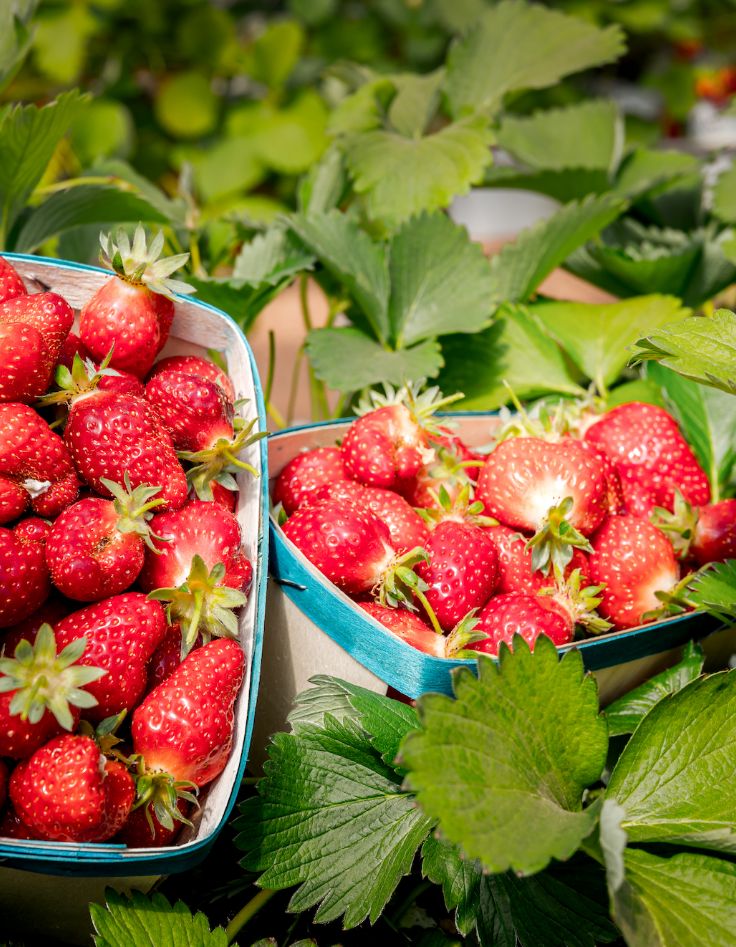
x=597, y=337
x=415, y=101
x=16, y=35
x=485, y=64
x=724, y=196
x=270, y=258
x=141, y=921
x=348, y=359
x=646, y=168
x=241, y=302
x=330, y=695
x=331, y=817
x=625, y=714
x=670, y=776
x=503, y=776
x=440, y=280
x=514, y=349
x=322, y=188
x=715, y=589
x=564, y=185
x=522, y=265
x=399, y=176
x=707, y=417
x=700, y=347
x=685, y=900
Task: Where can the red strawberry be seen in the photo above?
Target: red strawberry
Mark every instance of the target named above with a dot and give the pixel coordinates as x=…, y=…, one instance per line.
x=139, y=832
x=95, y=548
x=11, y=284
x=461, y=572
x=515, y=572
x=13, y=500
x=199, y=367
x=703, y=533
x=305, y=474
x=72, y=346
x=411, y=629
x=455, y=468
x=515, y=613
x=60, y=792
x=33, y=330
x=12, y=826
x=167, y=657
x=632, y=560
x=386, y=448
x=3, y=783
x=34, y=458
x=201, y=570
x=646, y=445
x=195, y=411
x=53, y=610
x=446, y=439
x=132, y=312
x=220, y=495
x=24, y=575
x=122, y=634
x=638, y=499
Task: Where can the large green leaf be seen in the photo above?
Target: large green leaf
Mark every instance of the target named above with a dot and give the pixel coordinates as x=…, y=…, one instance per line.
x=440, y=280
x=715, y=589
x=329, y=695
x=399, y=176
x=503, y=777
x=241, y=302
x=28, y=138
x=122, y=174
x=487, y=62
x=271, y=257
x=331, y=817
x=645, y=169
x=522, y=265
x=141, y=921
x=516, y=350
x=598, y=336
x=682, y=901
x=15, y=37
x=700, y=347
x=415, y=101
x=586, y=135
x=347, y=359
x=564, y=185
x=724, y=195
x=670, y=778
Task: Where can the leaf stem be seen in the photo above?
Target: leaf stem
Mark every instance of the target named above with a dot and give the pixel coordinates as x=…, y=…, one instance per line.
x=247, y=912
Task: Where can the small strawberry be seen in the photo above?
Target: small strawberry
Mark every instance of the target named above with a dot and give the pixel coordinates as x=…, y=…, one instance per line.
x=96, y=546
x=11, y=284
x=633, y=560
x=199, y=368
x=515, y=613
x=32, y=331
x=143, y=830
x=201, y=570
x=307, y=473
x=703, y=533
x=24, y=575
x=132, y=312
x=33, y=457
x=410, y=628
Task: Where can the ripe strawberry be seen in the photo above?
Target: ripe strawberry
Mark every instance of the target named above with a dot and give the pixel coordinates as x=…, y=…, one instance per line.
x=34, y=458
x=446, y=439
x=167, y=657
x=703, y=533
x=13, y=500
x=220, y=495
x=53, y=610
x=71, y=346
x=122, y=634
x=33, y=330
x=454, y=469
x=3, y=783
x=461, y=572
x=638, y=499
x=24, y=575
x=11, y=284
x=632, y=560
x=515, y=613
x=96, y=546
x=515, y=572
x=195, y=411
x=201, y=570
x=199, y=367
x=12, y=826
x=61, y=791
x=411, y=629
x=142, y=829
x=645, y=444
x=41, y=692
x=307, y=473
x=132, y=312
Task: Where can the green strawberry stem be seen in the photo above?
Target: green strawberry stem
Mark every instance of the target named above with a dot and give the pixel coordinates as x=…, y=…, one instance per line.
x=580, y=601
x=464, y=634
x=400, y=585
x=553, y=544
x=161, y=792
x=678, y=525
x=220, y=461
x=134, y=507
x=675, y=601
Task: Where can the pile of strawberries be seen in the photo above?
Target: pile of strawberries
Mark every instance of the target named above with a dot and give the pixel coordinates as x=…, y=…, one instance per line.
x=575, y=520
x=121, y=568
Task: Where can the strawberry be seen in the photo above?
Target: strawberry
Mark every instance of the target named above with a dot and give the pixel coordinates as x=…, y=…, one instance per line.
x=34, y=458
x=307, y=473
x=67, y=791
x=24, y=575
x=53, y=610
x=13, y=500
x=454, y=469
x=446, y=439
x=199, y=368
x=220, y=495
x=11, y=284
x=703, y=533
x=515, y=572
x=410, y=628
x=41, y=692
x=515, y=613
x=167, y=657
x=201, y=570
x=633, y=560
x=3, y=783
x=32, y=331
x=638, y=499
x=122, y=634
x=195, y=411
x=142, y=829
x=12, y=826
x=461, y=572
x=96, y=546
x=647, y=447
x=132, y=312
x=71, y=346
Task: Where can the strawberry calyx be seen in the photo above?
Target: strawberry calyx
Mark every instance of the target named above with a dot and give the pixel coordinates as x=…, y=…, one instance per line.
x=678, y=525
x=105, y=735
x=159, y=793
x=553, y=544
x=221, y=462
x=202, y=605
x=547, y=420
x=140, y=263
x=463, y=508
x=134, y=508
x=579, y=602
x=423, y=403
x=400, y=585
x=82, y=379
x=44, y=680
x=675, y=601
x=462, y=635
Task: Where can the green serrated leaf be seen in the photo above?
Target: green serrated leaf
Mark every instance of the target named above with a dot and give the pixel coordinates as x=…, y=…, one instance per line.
x=715, y=589
x=459, y=878
x=331, y=818
x=349, y=360
x=485, y=64
x=682, y=901
x=415, y=101
x=322, y=188
x=625, y=714
x=242, y=303
x=400, y=176
x=141, y=921
x=670, y=777
x=504, y=778
x=270, y=258
x=328, y=696
x=645, y=169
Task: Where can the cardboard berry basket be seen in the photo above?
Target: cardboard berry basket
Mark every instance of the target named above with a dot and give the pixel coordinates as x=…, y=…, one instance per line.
x=314, y=628
x=196, y=328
